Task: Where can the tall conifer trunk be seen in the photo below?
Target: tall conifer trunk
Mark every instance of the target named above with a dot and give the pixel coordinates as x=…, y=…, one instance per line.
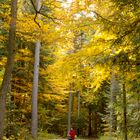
x=34, y=123
x=9, y=65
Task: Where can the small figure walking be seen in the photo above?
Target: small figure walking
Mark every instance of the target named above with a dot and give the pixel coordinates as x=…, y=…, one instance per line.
x=72, y=134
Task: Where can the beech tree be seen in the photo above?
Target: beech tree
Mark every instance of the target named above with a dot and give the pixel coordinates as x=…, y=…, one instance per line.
x=34, y=125
x=11, y=48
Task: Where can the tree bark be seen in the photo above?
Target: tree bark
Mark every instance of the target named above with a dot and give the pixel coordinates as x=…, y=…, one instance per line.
x=9, y=65
x=70, y=108
x=95, y=122
x=78, y=104
x=79, y=98
x=114, y=89
x=124, y=113
x=34, y=123
x=90, y=122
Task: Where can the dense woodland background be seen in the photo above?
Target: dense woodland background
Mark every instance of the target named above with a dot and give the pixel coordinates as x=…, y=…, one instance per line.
x=76, y=62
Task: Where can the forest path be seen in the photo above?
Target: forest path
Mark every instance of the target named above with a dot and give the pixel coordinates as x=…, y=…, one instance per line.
x=75, y=139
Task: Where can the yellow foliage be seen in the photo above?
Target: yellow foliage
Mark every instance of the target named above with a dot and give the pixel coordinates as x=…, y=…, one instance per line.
x=3, y=61
x=2, y=38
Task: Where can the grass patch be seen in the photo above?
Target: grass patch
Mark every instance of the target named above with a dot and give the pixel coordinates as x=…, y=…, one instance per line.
x=43, y=136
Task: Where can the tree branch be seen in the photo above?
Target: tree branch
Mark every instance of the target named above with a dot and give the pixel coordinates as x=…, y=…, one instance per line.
x=131, y=29
x=39, y=12
x=34, y=6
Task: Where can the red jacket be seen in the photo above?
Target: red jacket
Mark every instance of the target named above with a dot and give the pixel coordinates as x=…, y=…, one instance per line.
x=72, y=134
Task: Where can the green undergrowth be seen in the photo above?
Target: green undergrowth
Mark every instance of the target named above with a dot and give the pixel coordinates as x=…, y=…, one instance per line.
x=41, y=136
x=115, y=138
x=108, y=138
x=49, y=136
x=44, y=136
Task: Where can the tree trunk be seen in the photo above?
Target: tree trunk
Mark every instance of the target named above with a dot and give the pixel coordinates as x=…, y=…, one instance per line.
x=78, y=105
x=70, y=108
x=78, y=131
x=34, y=124
x=113, y=90
x=95, y=122
x=89, y=122
x=9, y=65
x=124, y=112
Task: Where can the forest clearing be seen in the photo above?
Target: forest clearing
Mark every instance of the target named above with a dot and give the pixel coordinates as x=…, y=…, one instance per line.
x=70, y=68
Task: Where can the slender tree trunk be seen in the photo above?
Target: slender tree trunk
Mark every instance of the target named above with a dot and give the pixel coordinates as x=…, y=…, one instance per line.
x=114, y=89
x=95, y=122
x=78, y=105
x=70, y=108
x=89, y=123
x=124, y=113
x=78, y=131
x=34, y=124
x=9, y=65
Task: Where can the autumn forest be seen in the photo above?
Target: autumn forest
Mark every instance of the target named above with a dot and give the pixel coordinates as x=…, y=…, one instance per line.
x=70, y=63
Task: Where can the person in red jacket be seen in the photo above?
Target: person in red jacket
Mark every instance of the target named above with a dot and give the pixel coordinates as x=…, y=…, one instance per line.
x=72, y=134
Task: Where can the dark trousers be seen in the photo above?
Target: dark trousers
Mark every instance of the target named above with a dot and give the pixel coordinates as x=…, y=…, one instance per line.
x=70, y=139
